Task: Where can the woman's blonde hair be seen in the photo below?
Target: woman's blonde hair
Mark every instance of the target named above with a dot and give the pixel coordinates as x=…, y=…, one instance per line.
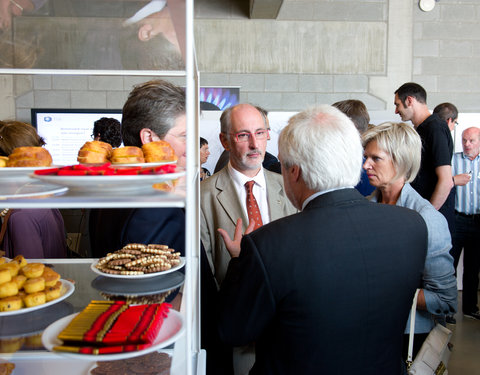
x=402, y=143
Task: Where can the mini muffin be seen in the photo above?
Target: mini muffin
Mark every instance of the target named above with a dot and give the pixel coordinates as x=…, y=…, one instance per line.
x=8, y=289
x=33, y=270
x=22, y=262
x=3, y=260
x=50, y=276
x=13, y=267
x=127, y=155
x=53, y=292
x=34, y=299
x=5, y=276
x=34, y=285
x=19, y=280
x=11, y=303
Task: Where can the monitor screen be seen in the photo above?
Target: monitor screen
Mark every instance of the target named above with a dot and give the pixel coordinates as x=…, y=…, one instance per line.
x=66, y=130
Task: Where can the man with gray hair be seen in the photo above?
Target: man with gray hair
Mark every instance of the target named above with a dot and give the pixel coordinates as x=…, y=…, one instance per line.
x=328, y=289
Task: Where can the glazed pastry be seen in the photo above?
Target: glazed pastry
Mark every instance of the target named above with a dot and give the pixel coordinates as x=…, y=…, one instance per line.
x=158, y=151
x=29, y=157
x=127, y=155
x=94, y=152
x=3, y=161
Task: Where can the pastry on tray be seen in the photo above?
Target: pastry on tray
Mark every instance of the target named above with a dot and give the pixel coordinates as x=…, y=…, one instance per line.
x=94, y=152
x=29, y=157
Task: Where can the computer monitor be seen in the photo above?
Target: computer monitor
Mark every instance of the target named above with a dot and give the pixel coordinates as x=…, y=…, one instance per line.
x=66, y=130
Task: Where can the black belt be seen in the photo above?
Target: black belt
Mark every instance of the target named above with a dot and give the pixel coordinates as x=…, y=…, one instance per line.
x=473, y=216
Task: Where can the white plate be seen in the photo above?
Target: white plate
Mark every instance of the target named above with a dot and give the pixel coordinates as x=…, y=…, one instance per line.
x=67, y=289
x=108, y=184
x=172, y=328
x=30, y=190
x=145, y=165
x=144, y=276
x=20, y=172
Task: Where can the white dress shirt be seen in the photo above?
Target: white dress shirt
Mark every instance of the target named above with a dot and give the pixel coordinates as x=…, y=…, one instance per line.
x=259, y=191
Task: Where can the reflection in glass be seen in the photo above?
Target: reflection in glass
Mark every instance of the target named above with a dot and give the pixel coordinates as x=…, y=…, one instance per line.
x=89, y=34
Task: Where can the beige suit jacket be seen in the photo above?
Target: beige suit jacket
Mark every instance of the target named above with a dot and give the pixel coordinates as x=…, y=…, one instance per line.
x=220, y=207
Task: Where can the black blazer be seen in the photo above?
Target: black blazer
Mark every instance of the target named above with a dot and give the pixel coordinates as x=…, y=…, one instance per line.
x=327, y=290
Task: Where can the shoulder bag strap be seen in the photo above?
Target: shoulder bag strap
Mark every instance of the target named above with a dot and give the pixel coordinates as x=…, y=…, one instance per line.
x=412, y=329
x=4, y=227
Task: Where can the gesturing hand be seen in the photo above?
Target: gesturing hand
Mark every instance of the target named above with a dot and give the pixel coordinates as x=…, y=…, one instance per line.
x=233, y=246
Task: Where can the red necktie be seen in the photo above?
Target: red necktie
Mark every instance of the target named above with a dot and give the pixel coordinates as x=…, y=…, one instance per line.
x=252, y=206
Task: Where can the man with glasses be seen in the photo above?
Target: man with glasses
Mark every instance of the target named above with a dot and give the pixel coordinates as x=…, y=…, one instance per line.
x=449, y=113
x=242, y=189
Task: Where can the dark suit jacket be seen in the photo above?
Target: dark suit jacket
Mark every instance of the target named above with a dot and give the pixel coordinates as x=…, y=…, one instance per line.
x=327, y=290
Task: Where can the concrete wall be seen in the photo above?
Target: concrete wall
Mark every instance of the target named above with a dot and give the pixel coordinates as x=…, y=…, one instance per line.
x=315, y=52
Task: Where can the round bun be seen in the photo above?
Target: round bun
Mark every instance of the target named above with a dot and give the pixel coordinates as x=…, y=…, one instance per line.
x=94, y=152
x=22, y=262
x=50, y=277
x=158, y=151
x=29, y=157
x=127, y=155
x=19, y=280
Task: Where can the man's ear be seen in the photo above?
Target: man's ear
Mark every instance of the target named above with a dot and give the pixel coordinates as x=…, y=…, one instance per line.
x=145, y=32
x=409, y=101
x=146, y=135
x=296, y=172
x=224, y=141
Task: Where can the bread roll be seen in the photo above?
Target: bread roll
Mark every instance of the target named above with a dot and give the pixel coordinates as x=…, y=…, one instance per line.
x=127, y=155
x=29, y=157
x=158, y=151
x=94, y=152
x=53, y=292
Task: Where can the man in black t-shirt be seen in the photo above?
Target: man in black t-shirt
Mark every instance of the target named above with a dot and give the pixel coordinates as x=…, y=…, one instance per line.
x=434, y=180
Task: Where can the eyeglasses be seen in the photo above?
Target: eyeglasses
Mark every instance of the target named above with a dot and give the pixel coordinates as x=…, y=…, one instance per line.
x=245, y=136
x=456, y=123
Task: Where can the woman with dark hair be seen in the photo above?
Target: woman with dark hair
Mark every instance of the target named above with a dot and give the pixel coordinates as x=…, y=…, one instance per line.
x=108, y=130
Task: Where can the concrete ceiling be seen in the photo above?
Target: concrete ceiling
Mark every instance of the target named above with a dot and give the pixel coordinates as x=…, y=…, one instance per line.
x=265, y=9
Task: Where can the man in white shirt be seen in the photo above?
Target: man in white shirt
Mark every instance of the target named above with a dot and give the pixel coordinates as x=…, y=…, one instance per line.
x=223, y=196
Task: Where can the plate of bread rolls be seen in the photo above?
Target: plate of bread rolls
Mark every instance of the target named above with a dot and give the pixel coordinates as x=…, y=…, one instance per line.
x=26, y=287
x=23, y=161
x=153, y=153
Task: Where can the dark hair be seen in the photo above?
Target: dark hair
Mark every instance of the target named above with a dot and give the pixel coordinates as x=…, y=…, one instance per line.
x=203, y=141
x=15, y=134
x=108, y=130
x=412, y=89
x=357, y=111
x=446, y=111
x=153, y=105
